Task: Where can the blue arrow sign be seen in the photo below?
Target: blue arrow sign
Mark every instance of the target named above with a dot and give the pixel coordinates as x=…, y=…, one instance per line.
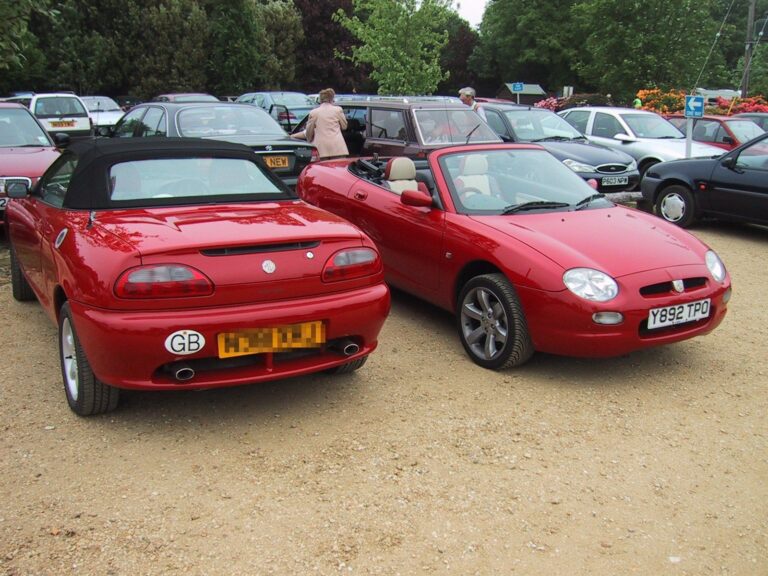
x=694, y=106
x=517, y=87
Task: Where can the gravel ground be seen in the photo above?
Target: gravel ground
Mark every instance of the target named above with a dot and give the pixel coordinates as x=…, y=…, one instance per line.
x=420, y=463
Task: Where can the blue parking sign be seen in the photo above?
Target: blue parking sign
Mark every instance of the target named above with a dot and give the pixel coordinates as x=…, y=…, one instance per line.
x=694, y=106
x=517, y=87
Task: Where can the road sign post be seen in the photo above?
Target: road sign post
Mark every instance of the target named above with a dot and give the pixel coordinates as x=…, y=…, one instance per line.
x=694, y=108
x=517, y=87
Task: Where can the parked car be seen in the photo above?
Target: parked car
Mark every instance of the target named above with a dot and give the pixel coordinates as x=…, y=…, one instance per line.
x=726, y=132
x=642, y=134
x=227, y=121
x=103, y=110
x=172, y=264
x=186, y=97
x=613, y=170
x=26, y=149
x=397, y=128
x=525, y=253
x=127, y=102
x=759, y=118
x=731, y=187
x=288, y=108
x=61, y=112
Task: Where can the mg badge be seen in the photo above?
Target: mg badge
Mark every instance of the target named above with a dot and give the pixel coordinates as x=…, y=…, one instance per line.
x=678, y=285
x=310, y=255
x=268, y=266
x=268, y=147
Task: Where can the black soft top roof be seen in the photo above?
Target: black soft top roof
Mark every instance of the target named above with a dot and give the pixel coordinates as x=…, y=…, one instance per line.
x=89, y=185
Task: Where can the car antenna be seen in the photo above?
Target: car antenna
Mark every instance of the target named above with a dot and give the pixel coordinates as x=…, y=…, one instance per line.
x=375, y=156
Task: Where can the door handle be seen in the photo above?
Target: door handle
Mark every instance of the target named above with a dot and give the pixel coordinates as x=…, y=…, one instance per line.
x=360, y=195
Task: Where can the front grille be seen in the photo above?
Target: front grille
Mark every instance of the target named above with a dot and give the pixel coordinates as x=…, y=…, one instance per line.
x=260, y=249
x=611, y=168
x=664, y=288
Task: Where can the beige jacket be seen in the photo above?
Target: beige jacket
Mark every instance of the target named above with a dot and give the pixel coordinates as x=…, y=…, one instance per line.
x=324, y=128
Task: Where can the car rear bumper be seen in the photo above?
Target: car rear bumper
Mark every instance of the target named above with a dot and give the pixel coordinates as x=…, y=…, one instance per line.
x=128, y=349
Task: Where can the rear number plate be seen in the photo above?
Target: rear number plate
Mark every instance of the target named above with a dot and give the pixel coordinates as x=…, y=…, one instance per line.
x=277, y=161
x=276, y=339
x=3, y=202
x=62, y=123
x=615, y=180
x=679, y=314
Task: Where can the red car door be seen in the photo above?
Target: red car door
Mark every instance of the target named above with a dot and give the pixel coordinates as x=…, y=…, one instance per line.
x=410, y=238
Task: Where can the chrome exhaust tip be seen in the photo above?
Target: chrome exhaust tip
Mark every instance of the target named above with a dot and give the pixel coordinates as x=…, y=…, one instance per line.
x=183, y=372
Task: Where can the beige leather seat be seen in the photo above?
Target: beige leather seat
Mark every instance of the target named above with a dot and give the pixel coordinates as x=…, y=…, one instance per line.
x=474, y=174
x=400, y=174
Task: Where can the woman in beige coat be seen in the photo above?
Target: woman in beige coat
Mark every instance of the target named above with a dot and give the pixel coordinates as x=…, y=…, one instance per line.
x=324, y=127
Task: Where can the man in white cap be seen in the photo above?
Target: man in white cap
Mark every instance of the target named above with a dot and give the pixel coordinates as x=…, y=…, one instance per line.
x=467, y=96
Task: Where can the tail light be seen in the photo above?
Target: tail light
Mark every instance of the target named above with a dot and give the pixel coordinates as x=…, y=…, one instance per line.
x=351, y=263
x=286, y=116
x=163, y=281
x=315, y=155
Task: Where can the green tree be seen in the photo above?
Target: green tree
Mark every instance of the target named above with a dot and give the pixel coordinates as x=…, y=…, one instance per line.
x=455, y=56
x=528, y=42
x=401, y=40
x=15, y=16
x=628, y=46
x=282, y=22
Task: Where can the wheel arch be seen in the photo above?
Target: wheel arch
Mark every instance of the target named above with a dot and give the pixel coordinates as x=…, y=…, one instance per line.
x=469, y=271
x=672, y=181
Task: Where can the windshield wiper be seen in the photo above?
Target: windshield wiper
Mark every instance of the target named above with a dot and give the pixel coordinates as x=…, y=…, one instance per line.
x=471, y=132
x=533, y=206
x=585, y=201
x=553, y=139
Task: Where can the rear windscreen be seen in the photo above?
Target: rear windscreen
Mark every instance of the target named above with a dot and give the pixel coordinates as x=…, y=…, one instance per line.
x=59, y=107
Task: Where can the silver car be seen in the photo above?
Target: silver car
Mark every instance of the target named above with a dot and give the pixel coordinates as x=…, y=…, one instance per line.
x=642, y=134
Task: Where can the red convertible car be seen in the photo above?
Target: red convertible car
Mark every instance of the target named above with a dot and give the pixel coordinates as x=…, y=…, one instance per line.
x=183, y=263
x=525, y=253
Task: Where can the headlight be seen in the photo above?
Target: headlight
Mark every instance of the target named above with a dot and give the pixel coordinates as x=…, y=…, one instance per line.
x=632, y=165
x=591, y=284
x=715, y=266
x=578, y=166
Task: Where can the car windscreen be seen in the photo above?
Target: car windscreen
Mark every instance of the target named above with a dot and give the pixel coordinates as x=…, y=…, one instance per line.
x=195, y=98
x=507, y=181
x=534, y=125
x=451, y=126
x=651, y=126
x=18, y=128
x=59, y=107
x=224, y=120
x=100, y=104
x=745, y=130
x=292, y=99
x=165, y=181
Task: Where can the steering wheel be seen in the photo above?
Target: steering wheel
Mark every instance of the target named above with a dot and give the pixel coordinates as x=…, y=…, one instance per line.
x=467, y=193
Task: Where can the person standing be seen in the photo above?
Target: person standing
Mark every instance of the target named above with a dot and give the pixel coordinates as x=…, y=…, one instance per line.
x=467, y=96
x=324, y=127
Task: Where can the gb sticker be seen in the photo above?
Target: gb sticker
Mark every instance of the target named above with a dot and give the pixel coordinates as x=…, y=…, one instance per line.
x=184, y=342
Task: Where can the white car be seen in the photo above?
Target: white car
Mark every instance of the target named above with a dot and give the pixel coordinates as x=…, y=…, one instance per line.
x=59, y=113
x=103, y=110
x=642, y=134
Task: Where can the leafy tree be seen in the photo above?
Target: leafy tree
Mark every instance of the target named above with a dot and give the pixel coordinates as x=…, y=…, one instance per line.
x=282, y=23
x=237, y=36
x=401, y=40
x=319, y=67
x=628, y=45
x=462, y=40
x=15, y=16
x=527, y=42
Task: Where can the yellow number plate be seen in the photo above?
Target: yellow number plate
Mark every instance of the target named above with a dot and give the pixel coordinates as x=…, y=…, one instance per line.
x=63, y=124
x=277, y=161
x=277, y=339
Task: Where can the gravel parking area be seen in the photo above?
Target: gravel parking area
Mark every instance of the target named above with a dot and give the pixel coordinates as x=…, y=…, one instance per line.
x=419, y=463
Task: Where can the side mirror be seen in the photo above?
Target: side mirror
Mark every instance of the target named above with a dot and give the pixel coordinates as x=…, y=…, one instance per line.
x=17, y=188
x=61, y=139
x=621, y=137
x=729, y=162
x=727, y=140
x=105, y=131
x=416, y=198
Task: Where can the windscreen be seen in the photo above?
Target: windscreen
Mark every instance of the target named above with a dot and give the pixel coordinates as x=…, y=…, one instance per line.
x=227, y=120
x=18, y=128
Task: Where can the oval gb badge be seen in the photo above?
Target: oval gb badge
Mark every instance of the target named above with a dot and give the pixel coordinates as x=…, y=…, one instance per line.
x=184, y=342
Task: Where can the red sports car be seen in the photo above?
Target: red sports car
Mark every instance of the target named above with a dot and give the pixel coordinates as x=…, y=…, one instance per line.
x=525, y=252
x=183, y=263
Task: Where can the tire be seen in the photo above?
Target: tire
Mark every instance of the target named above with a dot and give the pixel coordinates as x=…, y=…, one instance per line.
x=85, y=394
x=349, y=366
x=675, y=204
x=644, y=168
x=491, y=322
x=22, y=291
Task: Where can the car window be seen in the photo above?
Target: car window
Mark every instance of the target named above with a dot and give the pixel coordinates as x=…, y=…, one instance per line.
x=606, y=126
x=578, y=119
x=55, y=183
x=453, y=126
x=227, y=120
x=292, y=100
x=58, y=106
x=190, y=178
x=754, y=156
x=19, y=128
x=153, y=123
x=100, y=104
x=258, y=99
x=494, y=121
x=127, y=126
x=388, y=124
x=651, y=126
x=707, y=130
x=745, y=130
